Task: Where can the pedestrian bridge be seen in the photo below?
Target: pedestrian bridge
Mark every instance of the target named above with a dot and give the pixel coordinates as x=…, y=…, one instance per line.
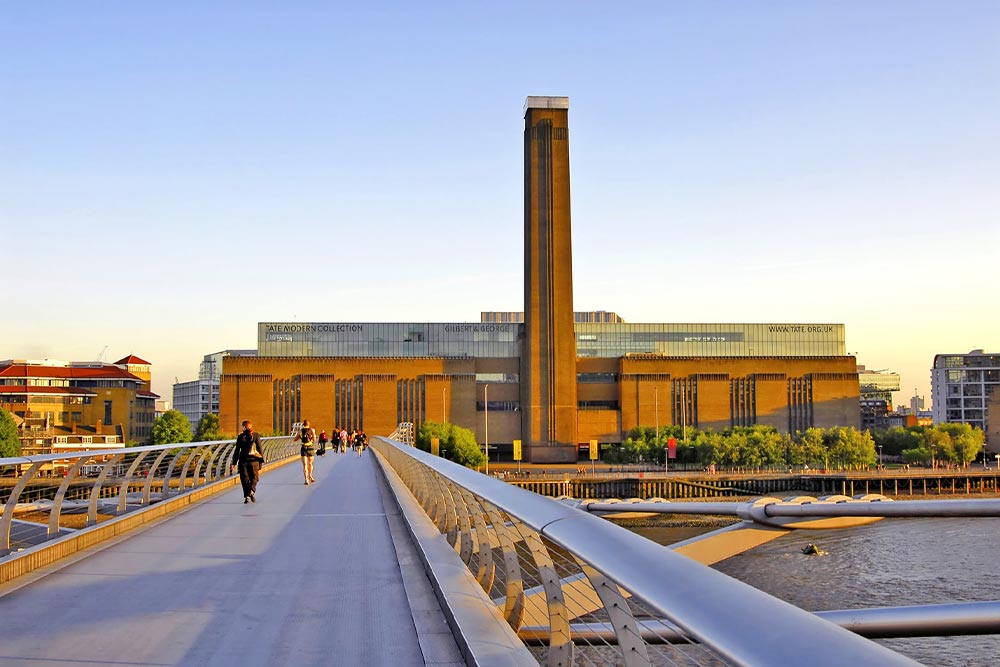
x=391, y=558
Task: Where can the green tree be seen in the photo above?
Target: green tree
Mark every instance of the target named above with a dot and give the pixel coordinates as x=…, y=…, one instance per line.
x=896, y=439
x=921, y=455
x=208, y=429
x=428, y=430
x=464, y=448
x=813, y=448
x=940, y=444
x=849, y=447
x=10, y=444
x=635, y=450
x=459, y=444
x=171, y=427
x=967, y=441
x=768, y=444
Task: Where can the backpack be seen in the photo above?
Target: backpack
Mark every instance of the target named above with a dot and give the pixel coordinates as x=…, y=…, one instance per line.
x=306, y=436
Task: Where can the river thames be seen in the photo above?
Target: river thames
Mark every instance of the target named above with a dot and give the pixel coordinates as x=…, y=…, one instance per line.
x=892, y=562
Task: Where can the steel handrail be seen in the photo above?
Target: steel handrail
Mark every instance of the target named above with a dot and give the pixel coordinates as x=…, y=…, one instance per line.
x=743, y=625
x=867, y=507
x=116, y=486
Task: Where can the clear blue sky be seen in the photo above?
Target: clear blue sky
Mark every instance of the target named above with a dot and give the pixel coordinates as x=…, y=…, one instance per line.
x=172, y=173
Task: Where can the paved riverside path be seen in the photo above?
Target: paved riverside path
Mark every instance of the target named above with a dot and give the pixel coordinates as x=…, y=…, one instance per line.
x=308, y=575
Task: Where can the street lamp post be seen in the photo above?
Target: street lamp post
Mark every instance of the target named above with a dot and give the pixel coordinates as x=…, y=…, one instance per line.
x=684, y=428
x=656, y=411
x=880, y=457
x=444, y=406
x=486, y=405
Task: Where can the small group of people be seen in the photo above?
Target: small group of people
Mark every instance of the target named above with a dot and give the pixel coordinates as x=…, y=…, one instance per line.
x=340, y=441
x=248, y=455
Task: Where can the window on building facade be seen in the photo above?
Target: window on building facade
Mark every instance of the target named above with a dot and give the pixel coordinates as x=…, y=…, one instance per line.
x=499, y=406
x=597, y=405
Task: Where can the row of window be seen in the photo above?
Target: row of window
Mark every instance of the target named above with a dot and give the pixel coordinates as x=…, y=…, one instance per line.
x=46, y=399
x=991, y=375
x=86, y=439
x=34, y=382
x=498, y=378
x=498, y=406
x=597, y=405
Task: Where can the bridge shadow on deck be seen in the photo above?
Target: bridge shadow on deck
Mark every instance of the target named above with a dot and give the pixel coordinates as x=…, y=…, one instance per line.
x=307, y=575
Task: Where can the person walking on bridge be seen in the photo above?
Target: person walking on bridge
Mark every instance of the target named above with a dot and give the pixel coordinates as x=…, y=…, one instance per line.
x=307, y=436
x=248, y=456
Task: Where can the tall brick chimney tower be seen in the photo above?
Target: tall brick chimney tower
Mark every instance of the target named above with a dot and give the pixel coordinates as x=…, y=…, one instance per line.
x=548, y=352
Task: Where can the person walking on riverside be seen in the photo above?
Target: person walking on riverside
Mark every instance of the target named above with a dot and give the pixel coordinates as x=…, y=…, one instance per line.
x=248, y=456
x=307, y=436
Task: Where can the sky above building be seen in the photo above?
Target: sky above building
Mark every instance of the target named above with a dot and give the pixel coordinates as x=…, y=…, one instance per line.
x=173, y=173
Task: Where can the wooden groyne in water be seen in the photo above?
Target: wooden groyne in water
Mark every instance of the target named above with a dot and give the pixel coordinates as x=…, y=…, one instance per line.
x=676, y=486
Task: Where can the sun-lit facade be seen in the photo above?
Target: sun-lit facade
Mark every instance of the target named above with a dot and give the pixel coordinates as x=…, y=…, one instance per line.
x=966, y=389
x=548, y=376
x=82, y=403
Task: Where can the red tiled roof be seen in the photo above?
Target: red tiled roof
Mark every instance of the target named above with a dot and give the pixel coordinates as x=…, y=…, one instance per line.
x=147, y=394
x=132, y=359
x=71, y=372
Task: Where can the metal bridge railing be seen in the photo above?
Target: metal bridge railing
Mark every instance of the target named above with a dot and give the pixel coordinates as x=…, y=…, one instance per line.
x=54, y=495
x=581, y=590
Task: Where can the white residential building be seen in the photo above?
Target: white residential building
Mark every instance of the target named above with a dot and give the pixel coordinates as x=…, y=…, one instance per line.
x=964, y=390
x=199, y=397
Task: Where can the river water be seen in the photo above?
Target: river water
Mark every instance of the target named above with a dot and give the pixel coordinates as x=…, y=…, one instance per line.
x=888, y=563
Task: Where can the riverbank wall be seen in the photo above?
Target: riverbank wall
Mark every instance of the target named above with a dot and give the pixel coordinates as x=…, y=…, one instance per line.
x=679, y=486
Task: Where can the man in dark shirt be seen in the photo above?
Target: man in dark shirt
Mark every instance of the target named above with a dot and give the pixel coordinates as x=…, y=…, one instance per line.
x=248, y=455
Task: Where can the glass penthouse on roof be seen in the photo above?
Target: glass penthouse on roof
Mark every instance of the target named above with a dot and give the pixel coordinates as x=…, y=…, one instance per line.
x=499, y=340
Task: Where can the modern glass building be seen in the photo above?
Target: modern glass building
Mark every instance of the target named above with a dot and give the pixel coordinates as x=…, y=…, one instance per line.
x=501, y=340
x=387, y=339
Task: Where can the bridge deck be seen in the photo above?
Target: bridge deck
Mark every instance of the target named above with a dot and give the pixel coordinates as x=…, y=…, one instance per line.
x=319, y=574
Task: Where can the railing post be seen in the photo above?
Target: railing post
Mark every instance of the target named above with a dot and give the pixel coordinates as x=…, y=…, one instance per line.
x=464, y=541
x=8, y=510
x=224, y=460
x=182, y=484
x=560, y=641
x=630, y=642
x=206, y=452
x=165, y=493
x=487, y=569
x=95, y=491
x=57, y=502
x=214, y=452
x=147, y=490
x=449, y=519
x=514, y=589
x=123, y=489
